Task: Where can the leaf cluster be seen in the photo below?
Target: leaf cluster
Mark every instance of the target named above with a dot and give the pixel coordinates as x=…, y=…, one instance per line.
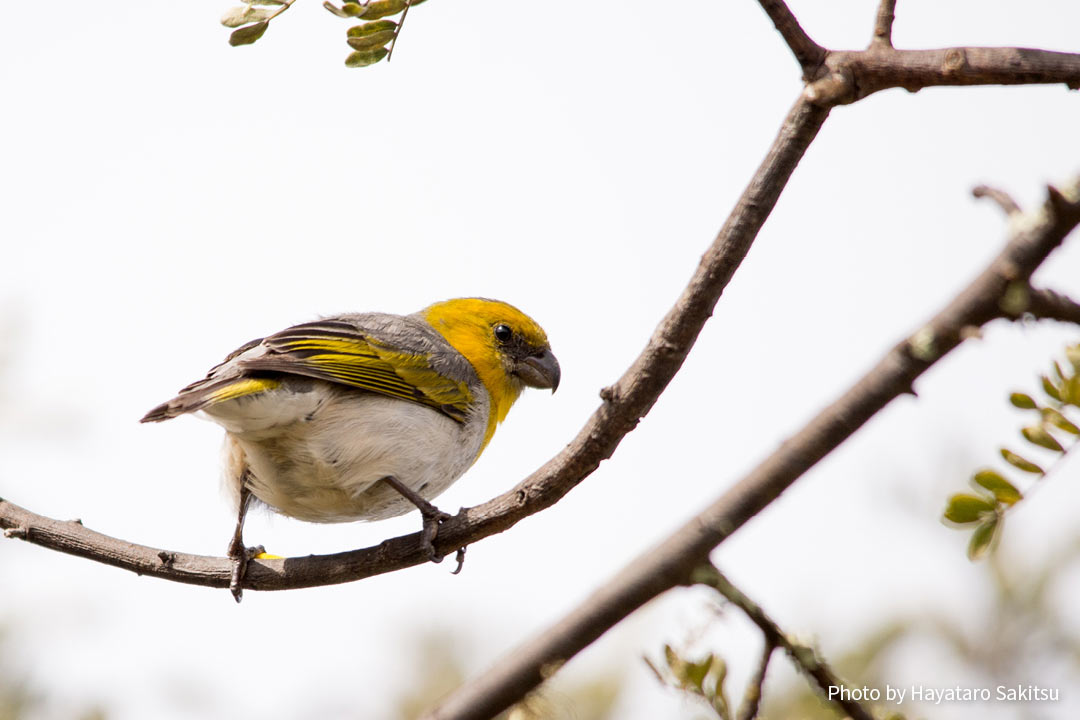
x=703, y=678
x=1051, y=430
x=252, y=19
x=371, y=40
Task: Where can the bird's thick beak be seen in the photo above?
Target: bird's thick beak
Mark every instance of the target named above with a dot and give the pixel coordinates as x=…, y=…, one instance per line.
x=540, y=370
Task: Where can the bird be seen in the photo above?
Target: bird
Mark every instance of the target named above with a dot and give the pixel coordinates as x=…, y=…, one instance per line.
x=365, y=416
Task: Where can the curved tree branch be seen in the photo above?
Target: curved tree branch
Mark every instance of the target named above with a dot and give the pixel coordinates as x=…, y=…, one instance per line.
x=624, y=404
x=844, y=77
x=673, y=562
x=1001, y=198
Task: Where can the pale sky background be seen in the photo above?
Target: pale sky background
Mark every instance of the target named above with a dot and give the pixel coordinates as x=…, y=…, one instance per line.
x=164, y=198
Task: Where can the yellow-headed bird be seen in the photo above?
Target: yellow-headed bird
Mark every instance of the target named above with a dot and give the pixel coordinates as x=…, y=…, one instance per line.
x=365, y=416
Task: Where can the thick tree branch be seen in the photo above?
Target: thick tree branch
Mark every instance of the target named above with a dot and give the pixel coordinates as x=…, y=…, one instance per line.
x=847, y=76
x=804, y=657
x=808, y=53
x=624, y=404
x=672, y=562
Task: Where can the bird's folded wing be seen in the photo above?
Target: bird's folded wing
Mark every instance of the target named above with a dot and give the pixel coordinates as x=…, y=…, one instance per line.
x=339, y=352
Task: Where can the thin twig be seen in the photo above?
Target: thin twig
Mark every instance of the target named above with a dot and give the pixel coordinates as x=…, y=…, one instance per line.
x=1002, y=198
x=1048, y=305
x=807, y=52
x=804, y=657
x=397, y=30
x=669, y=564
x=748, y=709
x=886, y=14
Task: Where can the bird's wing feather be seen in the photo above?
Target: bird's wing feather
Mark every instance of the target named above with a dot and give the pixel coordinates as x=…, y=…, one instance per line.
x=372, y=352
x=340, y=352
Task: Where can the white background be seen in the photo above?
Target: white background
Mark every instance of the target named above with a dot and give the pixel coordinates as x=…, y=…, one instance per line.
x=164, y=198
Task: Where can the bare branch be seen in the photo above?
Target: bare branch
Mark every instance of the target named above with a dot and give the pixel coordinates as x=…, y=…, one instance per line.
x=1049, y=305
x=886, y=14
x=671, y=563
x=748, y=710
x=804, y=657
x=858, y=73
x=1002, y=198
x=808, y=53
x=624, y=404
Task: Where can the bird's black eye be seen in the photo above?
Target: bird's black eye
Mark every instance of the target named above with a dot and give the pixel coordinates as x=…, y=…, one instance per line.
x=503, y=333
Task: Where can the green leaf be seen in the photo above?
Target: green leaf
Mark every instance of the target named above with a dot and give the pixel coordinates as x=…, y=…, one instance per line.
x=383, y=8
x=249, y=34
x=371, y=35
x=363, y=58
x=352, y=9
x=1072, y=352
x=372, y=41
x=696, y=672
x=1057, y=372
x=964, y=508
x=1071, y=393
x=1021, y=463
x=371, y=28
x=719, y=670
x=244, y=14
x=1050, y=389
x=1055, y=418
x=671, y=657
x=982, y=538
x=1004, y=491
x=1037, y=435
x=1022, y=401
x=366, y=29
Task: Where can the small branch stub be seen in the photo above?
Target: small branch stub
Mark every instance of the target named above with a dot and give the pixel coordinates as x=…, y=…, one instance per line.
x=1002, y=198
x=883, y=25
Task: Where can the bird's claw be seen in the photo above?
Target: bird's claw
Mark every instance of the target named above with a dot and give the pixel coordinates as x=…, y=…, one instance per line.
x=240, y=557
x=433, y=517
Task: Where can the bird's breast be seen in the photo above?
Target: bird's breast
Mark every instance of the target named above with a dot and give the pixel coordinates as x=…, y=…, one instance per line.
x=323, y=462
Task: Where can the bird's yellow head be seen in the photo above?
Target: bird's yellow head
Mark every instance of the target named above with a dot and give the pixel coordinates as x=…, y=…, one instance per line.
x=506, y=347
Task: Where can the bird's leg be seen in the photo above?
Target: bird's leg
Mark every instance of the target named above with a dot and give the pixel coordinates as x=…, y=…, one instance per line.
x=238, y=553
x=431, y=514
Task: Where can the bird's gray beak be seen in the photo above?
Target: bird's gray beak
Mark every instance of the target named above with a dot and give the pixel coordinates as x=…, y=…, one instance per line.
x=540, y=370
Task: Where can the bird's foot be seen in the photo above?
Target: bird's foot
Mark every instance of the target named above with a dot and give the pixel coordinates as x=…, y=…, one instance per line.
x=240, y=557
x=433, y=518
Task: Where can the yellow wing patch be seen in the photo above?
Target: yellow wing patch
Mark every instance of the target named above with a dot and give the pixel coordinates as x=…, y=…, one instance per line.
x=242, y=387
x=332, y=351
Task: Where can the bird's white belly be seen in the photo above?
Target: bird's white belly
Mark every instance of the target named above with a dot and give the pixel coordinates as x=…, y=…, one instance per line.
x=323, y=462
